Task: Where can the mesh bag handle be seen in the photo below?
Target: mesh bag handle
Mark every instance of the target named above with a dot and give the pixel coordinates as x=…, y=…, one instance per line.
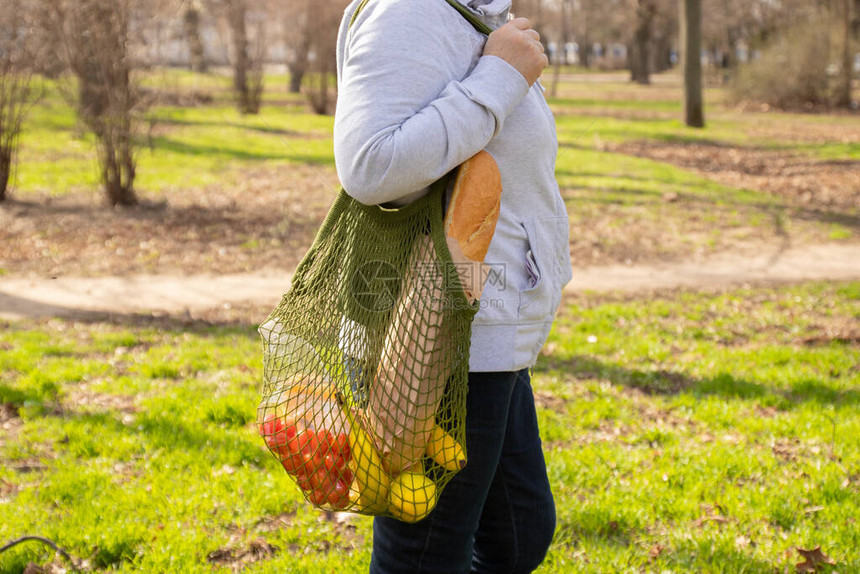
x=476, y=22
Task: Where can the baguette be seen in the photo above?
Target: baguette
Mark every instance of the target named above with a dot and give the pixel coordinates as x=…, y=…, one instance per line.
x=471, y=219
x=412, y=372
x=410, y=379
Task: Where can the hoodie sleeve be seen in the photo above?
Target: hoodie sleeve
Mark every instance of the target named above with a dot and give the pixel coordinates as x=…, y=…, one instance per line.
x=410, y=106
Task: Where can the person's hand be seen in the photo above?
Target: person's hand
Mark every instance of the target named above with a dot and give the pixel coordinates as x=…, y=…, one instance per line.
x=519, y=45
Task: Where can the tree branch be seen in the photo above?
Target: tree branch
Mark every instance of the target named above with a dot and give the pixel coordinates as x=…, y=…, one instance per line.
x=50, y=543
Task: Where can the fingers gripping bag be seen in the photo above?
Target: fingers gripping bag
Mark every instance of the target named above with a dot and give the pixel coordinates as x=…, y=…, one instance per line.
x=366, y=357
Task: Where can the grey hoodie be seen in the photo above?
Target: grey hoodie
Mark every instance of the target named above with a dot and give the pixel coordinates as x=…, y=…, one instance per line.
x=416, y=99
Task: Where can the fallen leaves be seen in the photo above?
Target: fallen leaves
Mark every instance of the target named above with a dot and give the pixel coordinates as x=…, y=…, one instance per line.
x=267, y=221
x=237, y=558
x=712, y=513
x=813, y=560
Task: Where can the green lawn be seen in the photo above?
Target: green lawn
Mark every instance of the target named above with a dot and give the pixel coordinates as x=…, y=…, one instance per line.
x=684, y=433
x=181, y=147
x=184, y=147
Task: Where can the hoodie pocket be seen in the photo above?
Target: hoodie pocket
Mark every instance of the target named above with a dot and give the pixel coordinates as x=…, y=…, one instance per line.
x=547, y=265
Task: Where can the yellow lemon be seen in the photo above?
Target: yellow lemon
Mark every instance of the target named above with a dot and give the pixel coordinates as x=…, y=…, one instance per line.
x=411, y=496
x=446, y=451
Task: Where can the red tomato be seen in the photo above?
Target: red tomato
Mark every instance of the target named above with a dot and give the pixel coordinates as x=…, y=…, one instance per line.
x=291, y=453
x=330, y=440
x=346, y=477
x=292, y=463
x=308, y=465
x=338, y=496
x=304, y=457
x=275, y=435
x=332, y=463
x=342, y=446
x=320, y=443
x=322, y=480
x=317, y=497
x=303, y=481
x=267, y=427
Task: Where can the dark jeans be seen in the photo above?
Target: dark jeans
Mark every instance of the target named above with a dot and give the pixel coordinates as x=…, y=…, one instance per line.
x=497, y=515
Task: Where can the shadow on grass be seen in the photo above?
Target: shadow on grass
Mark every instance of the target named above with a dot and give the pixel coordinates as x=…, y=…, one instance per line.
x=214, y=151
x=739, y=199
x=619, y=536
x=163, y=430
x=724, y=385
x=239, y=319
x=264, y=129
x=14, y=398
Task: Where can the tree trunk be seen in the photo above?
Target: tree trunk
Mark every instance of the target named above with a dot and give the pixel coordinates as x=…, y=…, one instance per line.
x=298, y=66
x=561, y=50
x=116, y=147
x=660, y=56
x=639, y=72
x=5, y=171
x=240, y=55
x=297, y=74
x=318, y=93
x=106, y=93
x=586, y=52
x=196, y=52
x=584, y=41
x=691, y=62
x=843, y=96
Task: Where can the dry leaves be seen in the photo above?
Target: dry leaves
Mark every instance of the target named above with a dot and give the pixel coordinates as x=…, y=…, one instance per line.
x=267, y=221
x=813, y=560
x=237, y=558
x=654, y=552
x=712, y=513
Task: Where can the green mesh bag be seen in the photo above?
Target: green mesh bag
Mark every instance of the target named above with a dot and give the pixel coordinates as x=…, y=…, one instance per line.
x=366, y=362
x=366, y=359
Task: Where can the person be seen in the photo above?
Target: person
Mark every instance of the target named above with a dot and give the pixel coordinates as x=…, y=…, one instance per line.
x=421, y=91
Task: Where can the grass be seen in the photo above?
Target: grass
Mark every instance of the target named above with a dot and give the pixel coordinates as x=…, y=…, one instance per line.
x=689, y=432
x=185, y=147
x=181, y=147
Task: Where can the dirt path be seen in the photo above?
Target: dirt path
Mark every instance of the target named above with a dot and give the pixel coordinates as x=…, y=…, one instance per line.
x=23, y=298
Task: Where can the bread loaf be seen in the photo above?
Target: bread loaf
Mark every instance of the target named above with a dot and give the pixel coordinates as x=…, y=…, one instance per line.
x=412, y=372
x=410, y=380
x=471, y=218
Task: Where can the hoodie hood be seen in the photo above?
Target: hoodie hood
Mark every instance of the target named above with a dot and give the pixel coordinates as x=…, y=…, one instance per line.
x=493, y=12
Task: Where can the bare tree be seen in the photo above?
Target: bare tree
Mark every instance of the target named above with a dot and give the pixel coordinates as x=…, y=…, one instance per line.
x=843, y=93
x=639, y=61
x=248, y=49
x=16, y=92
x=191, y=20
x=298, y=38
x=691, y=62
x=561, y=55
x=247, y=70
x=323, y=23
x=96, y=47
